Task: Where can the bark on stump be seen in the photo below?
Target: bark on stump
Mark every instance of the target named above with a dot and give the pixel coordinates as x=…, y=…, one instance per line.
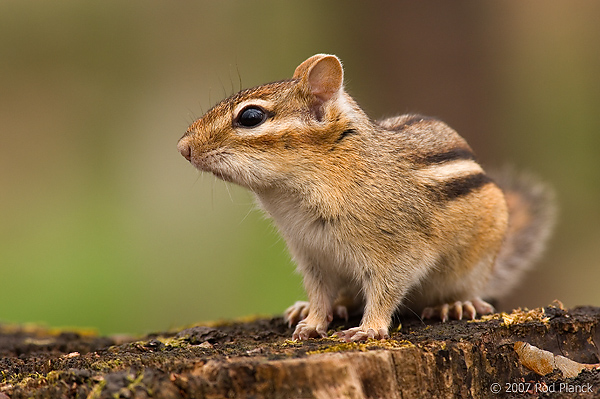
x=256, y=359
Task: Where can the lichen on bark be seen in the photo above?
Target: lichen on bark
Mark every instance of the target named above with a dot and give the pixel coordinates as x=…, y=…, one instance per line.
x=257, y=359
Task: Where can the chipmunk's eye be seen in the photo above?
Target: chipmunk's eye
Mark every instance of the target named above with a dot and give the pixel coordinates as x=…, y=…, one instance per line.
x=251, y=116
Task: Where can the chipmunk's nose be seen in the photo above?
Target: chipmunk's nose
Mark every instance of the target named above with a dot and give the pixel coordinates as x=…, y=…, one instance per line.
x=184, y=148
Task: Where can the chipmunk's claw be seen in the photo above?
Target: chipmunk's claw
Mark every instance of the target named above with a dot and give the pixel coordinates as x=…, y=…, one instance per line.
x=458, y=310
x=299, y=311
x=362, y=334
x=296, y=313
x=305, y=331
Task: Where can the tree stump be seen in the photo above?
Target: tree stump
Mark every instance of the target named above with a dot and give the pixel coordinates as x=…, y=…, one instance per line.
x=256, y=359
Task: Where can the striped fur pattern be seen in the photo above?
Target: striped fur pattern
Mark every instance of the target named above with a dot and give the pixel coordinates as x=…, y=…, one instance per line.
x=377, y=215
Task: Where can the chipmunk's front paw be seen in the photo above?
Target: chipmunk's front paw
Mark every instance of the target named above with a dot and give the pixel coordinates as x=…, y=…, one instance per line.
x=299, y=311
x=362, y=334
x=458, y=310
x=305, y=330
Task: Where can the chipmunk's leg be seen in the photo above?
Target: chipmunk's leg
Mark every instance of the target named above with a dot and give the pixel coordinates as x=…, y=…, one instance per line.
x=347, y=302
x=320, y=310
x=382, y=296
x=458, y=310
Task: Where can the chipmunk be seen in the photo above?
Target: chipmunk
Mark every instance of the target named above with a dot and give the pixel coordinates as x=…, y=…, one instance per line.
x=378, y=215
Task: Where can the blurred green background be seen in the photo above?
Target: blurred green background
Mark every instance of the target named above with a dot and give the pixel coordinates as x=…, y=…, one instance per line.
x=103, y=224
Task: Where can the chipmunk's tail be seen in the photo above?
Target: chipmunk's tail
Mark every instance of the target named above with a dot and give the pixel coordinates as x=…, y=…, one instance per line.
x=531, y=216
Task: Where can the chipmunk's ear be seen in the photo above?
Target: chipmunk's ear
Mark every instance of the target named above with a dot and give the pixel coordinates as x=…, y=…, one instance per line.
x=322, y=75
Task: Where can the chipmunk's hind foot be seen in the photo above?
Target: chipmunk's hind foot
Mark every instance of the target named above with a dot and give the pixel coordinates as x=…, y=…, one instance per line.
x=458, y=310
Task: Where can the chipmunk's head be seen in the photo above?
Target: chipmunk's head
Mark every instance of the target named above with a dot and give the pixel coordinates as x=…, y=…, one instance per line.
x=265, y=135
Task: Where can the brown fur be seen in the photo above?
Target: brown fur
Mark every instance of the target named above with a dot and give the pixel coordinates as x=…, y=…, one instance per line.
x=388, y=213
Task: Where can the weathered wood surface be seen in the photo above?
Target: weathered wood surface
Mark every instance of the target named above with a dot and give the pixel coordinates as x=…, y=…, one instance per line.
x=255, y=359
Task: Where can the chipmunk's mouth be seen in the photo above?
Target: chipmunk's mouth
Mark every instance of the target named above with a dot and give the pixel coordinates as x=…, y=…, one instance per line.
x=215, y=162
x=219, y=162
